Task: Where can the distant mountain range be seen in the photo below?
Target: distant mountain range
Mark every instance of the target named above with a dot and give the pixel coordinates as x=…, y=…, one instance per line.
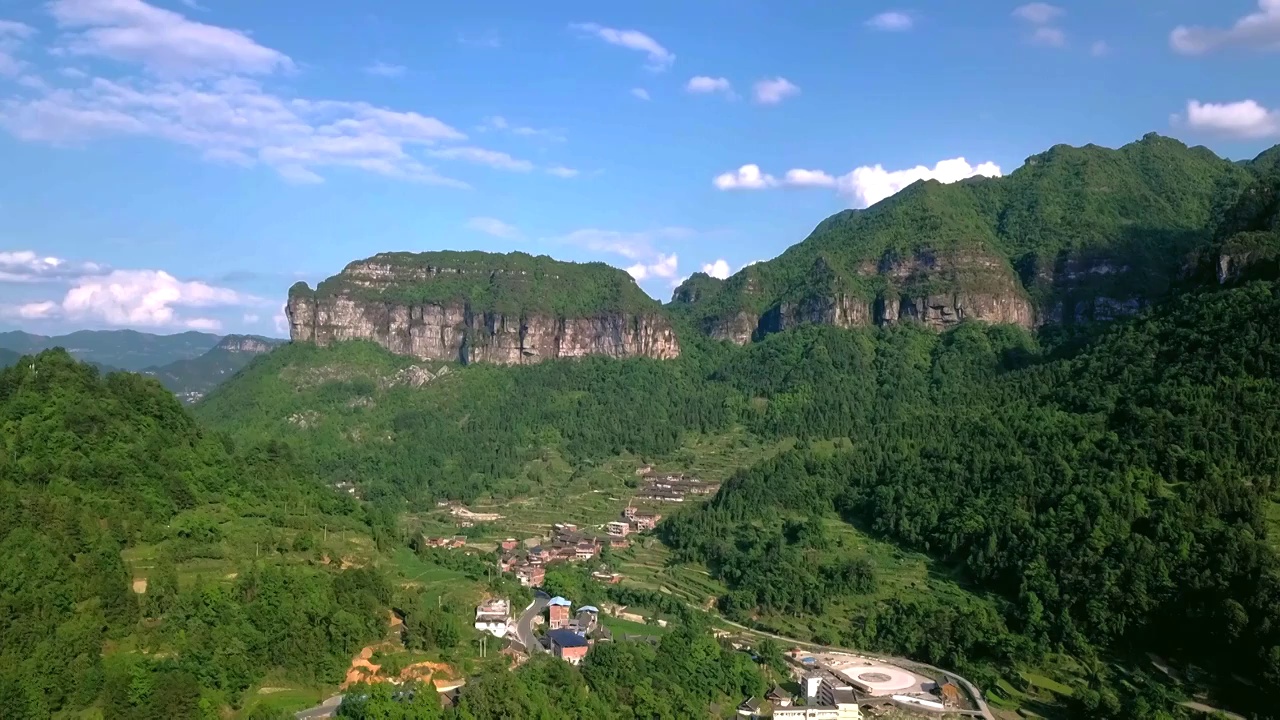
x=189, y=364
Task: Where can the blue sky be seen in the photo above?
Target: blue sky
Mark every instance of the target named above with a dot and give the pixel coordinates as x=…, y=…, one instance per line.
x=178, y=164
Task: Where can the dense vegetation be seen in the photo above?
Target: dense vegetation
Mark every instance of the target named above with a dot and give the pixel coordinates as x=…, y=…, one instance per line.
x=190, y=379
x=91, y=465
x=1140, y=210
x=511, y=283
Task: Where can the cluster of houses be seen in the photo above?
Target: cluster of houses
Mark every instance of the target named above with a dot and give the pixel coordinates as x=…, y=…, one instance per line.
x=671, y=487
x=453, y=542
x=568, y=544
x=633, y=520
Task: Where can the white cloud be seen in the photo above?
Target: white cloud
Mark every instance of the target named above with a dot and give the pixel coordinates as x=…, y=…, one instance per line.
x=233, y=120
x=501, y=124
x=561, y=171
x=1246, y=119
x=717, y=269
x=665, y=266
x=747, y=177
x=747, y=265
x=865, y=185
x=771, y=91
x=1099, y=48
x=38, y=310
x=163, y=41
x=251, y=318
x=1256, y=31
x=487, y=39
x=12, y=36
x=203, y=324
x=1039, y=13
x=146, y=298
x=494, y=227
x=891, y=22
x=703, y=85
x=1042, y=16
x=481, y=156
x=388, y=70
x=24, y=266
x=280, y=322
x=1049, y=37
x=808, y=178
x=640, y=93
x=869, y=185
x=659, y=58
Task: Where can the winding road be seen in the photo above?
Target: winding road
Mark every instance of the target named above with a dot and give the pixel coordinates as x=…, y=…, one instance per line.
x=524, y=626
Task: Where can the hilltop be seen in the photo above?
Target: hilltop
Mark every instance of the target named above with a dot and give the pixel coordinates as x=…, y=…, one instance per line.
x=1074, y=235
x=483, y=307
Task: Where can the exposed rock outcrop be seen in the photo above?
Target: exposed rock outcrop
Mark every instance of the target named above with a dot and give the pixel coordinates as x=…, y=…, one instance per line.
x=500, y=314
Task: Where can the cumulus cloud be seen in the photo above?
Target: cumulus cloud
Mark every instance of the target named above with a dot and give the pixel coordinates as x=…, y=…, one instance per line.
x=865, y=186
x=704, y=85
x=747, y=177
x=280, y=322
x=388, y=70
x=771, y=91
x=1042, y=17
x=25, y=266
x=1246, y=119
x=142, y=298
x=640, y=93
x=202, y=324
x=251, y=318
x=717, y=269
x=808, y=178
x=1256, y=31
x=659, y=58
x=665, y=266
x=891, y=22
x=166, y=43
x=494, y=227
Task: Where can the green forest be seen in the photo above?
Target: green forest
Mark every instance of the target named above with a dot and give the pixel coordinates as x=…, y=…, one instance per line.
x=1101, y=492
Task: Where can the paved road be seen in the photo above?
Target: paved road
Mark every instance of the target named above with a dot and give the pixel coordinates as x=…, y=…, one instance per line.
x=909, y=664
x=327, y=709
x=524, y=626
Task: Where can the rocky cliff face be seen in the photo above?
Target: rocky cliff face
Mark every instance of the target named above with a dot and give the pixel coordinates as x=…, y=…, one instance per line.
x=936, y=289
x=245, y=344
x=374, y=300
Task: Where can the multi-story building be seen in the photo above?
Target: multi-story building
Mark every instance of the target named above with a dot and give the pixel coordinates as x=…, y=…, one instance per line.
x=568, y=646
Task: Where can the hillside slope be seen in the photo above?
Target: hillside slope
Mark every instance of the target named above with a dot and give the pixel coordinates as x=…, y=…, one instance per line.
x=482, y=307
x=1075, y=234
x=193, y=378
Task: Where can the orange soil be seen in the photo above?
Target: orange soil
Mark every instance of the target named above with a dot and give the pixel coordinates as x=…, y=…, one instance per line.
x=362, y=670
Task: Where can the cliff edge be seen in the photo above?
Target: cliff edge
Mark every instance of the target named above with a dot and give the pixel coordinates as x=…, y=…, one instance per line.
x=481, y=307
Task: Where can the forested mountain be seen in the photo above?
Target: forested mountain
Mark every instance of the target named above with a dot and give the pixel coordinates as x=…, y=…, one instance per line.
x=91, y=465
x=191, y=379
x=123, y=349
x=477, y=307
x=1074, y=234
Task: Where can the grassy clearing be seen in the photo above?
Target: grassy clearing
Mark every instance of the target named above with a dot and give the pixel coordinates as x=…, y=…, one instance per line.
x=620, y=627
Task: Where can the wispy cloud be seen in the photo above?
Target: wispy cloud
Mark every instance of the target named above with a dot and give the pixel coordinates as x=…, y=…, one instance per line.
x=166, y=43
x=892, y=21
x=1042, y=18
x=12, y=36
x=561, y=171
x=640, y=93
x=658, y=57
x=387, y=70
x=1256, y=31
x=494, y=227
x=705, y=85
x=27, y=266
x=499, y=123
x=771, y=91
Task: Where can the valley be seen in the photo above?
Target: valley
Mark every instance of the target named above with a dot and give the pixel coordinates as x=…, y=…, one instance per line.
x=961, y=432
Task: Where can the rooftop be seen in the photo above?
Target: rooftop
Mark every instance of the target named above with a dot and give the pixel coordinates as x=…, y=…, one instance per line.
x=567, y=638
